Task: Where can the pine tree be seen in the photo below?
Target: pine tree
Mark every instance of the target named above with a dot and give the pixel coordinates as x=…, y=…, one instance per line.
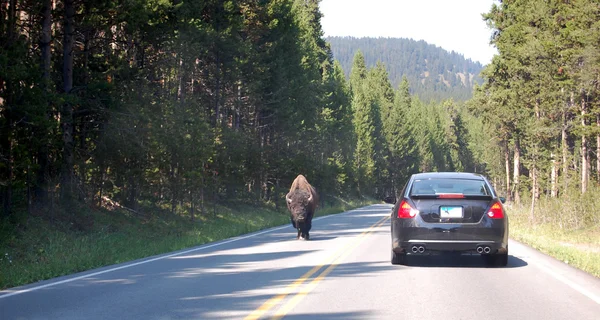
x=363, y=108
x=380, y=89
x=400, y=136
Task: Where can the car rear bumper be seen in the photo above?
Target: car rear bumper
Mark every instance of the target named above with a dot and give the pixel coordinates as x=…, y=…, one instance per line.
x=428, y=247
x=487, y=236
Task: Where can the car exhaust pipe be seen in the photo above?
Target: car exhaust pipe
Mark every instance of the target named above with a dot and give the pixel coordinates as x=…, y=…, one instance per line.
x=421, y=249
x=479, y=249
x=487, y=250
x=415, y=249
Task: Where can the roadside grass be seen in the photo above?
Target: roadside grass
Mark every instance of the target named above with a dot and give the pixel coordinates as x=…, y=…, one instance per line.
x=561, y=228
x=44, y=248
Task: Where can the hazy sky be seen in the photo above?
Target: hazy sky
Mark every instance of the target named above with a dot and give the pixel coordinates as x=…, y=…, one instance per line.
x=451, y=24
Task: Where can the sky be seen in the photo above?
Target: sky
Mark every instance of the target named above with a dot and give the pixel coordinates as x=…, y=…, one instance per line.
x=455, y=25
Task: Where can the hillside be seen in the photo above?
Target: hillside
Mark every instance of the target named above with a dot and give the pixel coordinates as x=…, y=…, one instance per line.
x=433, y=72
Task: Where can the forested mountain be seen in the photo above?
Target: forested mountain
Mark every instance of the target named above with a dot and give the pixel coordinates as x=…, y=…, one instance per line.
x=433, y=72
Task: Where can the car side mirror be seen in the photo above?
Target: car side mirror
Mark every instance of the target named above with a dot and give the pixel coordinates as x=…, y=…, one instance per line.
x=390, y=200
x=502, y=199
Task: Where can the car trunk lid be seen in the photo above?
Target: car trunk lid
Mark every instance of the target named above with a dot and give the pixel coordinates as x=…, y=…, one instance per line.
x=452, y=209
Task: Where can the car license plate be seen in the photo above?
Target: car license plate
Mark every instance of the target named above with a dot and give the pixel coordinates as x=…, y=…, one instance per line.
x=451, y=212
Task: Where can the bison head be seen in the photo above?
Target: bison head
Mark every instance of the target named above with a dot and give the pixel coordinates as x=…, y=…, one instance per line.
x=298, y=202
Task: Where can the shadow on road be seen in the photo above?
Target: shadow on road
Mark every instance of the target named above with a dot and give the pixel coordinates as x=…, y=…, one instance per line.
x=336, y=230
x=232, y=279
x=240, y=292
x=330, y=316
x=319, y=238
x=458, y=261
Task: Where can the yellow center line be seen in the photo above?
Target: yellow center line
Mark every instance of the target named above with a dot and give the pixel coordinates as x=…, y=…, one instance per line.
x=285, y=309
x=269, y=304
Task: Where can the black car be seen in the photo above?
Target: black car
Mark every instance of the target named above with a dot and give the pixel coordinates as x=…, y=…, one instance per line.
x=449, y=212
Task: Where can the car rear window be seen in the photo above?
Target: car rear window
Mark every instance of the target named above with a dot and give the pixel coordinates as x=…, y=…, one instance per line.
x=441, y=186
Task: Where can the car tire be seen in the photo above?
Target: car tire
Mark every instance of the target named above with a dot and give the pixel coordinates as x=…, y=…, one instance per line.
x=398, y=258
x=497, y=260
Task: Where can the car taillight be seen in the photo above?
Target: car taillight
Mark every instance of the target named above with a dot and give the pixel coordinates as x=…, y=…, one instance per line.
x=406, y=211
x=496, y=211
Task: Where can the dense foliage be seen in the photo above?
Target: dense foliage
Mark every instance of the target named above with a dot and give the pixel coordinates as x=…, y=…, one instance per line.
x=173, y=105
x=165, y=102
x=540, y=99
x=178, y=104
x=433, y=72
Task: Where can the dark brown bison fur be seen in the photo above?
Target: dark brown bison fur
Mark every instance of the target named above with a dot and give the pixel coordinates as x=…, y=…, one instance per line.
x=302, y=202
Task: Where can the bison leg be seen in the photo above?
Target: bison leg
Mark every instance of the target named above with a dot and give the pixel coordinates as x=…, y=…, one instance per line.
x=304, y=235
x=303, y=229
x=298, y=235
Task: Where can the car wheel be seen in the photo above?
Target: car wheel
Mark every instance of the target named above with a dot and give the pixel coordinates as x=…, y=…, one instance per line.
x=398, y=258
x=497, y=260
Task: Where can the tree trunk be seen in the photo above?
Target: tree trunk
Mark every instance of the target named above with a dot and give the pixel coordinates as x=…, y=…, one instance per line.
x=217, y=52
x=203, y=182
x=12, y=20
x=6, y=128
x=80, y=128
x=6, y=171
x=192, y=206
x=42, y=176
x=517, y=170
x=217, y=92
x=565, y=150
x=534, y=192
x=553, y=175
x=178, y=166
x=102, y=168
x=66, y=117
x=132, y=191
x=598, y=150
x=174, y=183
x=584, y=150
x=181, y=85
x=238, y=105
x=46, y=39
x=507, y=166
x=533, y=172
x=215, y=200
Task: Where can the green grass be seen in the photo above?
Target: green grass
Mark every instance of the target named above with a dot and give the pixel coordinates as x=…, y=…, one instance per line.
x=43, y=248
x=555, y=232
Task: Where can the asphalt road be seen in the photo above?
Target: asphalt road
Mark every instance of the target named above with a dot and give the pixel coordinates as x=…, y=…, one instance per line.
x=343, y=272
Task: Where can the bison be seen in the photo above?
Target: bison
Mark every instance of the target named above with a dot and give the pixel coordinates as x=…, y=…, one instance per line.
x=302, y=201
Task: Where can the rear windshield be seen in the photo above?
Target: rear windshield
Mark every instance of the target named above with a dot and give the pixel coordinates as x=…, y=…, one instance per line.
x=438, y=186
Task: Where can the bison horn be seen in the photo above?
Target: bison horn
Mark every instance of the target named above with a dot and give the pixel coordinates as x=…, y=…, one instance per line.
x=287, y=198
x=310, y=197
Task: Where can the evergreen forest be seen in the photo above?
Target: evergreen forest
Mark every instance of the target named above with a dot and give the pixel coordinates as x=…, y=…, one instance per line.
x=540, y=103
x=176, y=105
x=168, y=104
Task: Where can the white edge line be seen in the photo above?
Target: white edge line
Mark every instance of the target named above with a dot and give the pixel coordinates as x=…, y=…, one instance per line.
x=448, y=241
x=549, y=270
x=568, y=282
x=159, y=258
